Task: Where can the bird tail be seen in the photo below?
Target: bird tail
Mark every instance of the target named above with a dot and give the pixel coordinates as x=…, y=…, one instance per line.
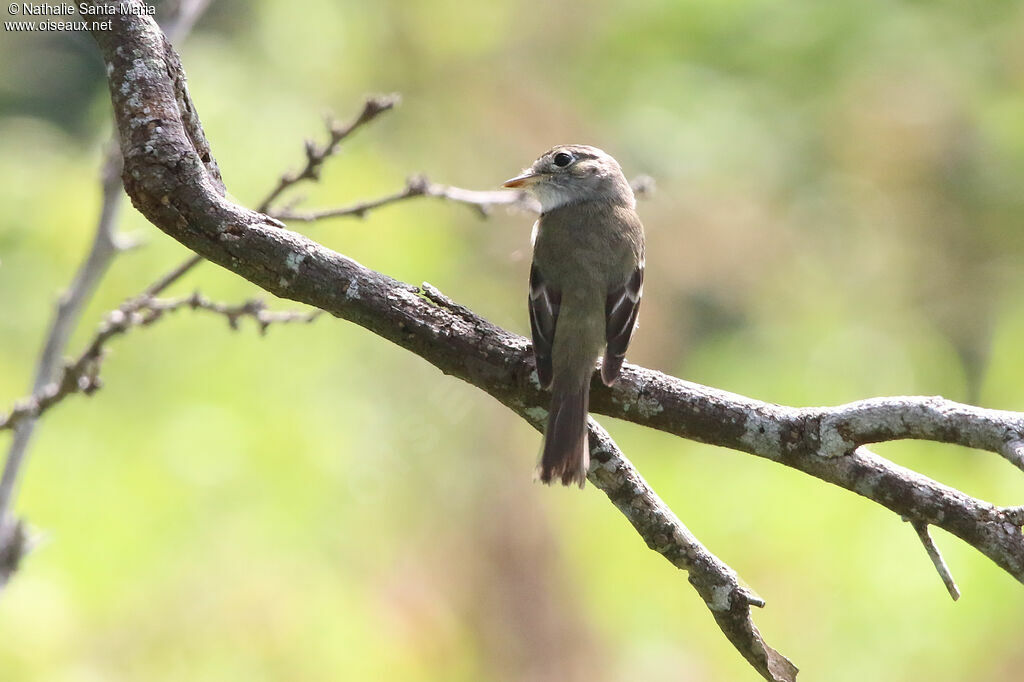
x=566, y=454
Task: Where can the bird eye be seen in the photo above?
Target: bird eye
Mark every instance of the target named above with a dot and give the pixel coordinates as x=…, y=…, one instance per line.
x=562, y=159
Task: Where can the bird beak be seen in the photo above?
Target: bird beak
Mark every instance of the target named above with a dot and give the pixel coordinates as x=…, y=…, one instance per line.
x=520, y=181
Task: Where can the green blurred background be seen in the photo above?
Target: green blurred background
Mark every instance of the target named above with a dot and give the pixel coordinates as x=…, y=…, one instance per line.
x=838, y=216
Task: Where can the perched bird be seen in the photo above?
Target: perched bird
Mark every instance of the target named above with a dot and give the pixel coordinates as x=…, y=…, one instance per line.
x=585, y=285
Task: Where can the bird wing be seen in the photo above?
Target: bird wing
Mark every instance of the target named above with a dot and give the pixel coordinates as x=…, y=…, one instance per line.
x=545, y=302
x=621, y=308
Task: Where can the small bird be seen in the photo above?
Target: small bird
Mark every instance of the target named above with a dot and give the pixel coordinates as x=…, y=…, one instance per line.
x=585, y=285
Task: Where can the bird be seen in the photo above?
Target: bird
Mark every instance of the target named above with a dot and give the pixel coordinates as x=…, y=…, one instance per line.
x=586, y=281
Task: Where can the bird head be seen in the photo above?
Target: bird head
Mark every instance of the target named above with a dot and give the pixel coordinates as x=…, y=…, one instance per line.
x=574, y=173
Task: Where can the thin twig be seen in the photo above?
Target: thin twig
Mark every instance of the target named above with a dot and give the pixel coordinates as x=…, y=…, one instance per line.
x=82, y=374
x=14, y=545
x=104, y=247
x=418, y=186
x=183, y=18
x=936, y=556
x=483, y=201
x=317, y=154
x=172, y=276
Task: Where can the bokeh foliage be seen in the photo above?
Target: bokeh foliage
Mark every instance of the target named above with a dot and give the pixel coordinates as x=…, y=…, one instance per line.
x=838, y=216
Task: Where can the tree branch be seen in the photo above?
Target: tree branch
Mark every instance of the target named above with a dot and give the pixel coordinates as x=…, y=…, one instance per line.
x=317, y=154
x=172, y=180
x=418, y=186
x=924, y=418
x=716, y=583
x=824, y=442
x=82, y=374
x=104, y=247
x=936, y=556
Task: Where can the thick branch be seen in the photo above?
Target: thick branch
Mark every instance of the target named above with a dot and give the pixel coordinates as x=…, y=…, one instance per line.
x=883, y=419
x=807, y=438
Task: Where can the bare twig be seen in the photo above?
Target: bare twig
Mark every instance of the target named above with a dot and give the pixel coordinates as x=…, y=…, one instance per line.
x=82, y=374
x=317, y=154
x=69, y=308
x=176, y=273
x=104, y=247
x=418, y=186
x=936, y=556
x=183, y=17
x=14, y=543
